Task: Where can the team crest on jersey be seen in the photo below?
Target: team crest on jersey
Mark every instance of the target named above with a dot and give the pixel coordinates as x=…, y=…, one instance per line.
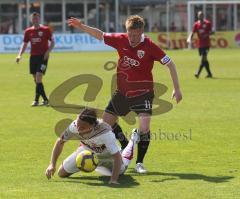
x=40, y=33
x=140, y=53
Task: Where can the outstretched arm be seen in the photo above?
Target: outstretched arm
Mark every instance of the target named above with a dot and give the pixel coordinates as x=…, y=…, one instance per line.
x=57, y=150
x=21, y=51
x=173, y=72
x=116, y=168
x=76, y=23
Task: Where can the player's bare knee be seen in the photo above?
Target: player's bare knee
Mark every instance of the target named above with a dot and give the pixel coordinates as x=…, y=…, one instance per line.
x=144, y=130
x=38, y=80
x=109, y=118
x=62, y=173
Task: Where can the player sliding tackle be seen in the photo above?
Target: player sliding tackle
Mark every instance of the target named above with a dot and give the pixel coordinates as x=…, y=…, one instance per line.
x=95, y=136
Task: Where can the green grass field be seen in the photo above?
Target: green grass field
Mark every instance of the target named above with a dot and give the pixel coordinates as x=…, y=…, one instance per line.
x=204, y=164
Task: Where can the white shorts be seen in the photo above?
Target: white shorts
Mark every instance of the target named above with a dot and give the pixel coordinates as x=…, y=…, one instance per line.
x=106, y=161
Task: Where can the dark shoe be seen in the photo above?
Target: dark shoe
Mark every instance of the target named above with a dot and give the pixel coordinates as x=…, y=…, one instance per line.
x=35, y=103
x=44, y=103
x=196, y=75
x=209, y=76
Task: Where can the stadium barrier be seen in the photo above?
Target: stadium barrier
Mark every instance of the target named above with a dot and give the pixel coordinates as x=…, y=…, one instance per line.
x=64, y=43
x=178, y=40
x=83, y=42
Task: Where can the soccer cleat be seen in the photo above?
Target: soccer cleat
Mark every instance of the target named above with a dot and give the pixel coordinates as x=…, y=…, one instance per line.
x=44, y=103
x=140, y=168
x=135, y=137
x=209, y=76
x=35, y=103
x=196, y=75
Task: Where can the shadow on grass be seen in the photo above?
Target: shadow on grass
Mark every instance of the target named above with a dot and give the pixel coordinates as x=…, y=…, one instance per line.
x=126, y=181
x=185, y=176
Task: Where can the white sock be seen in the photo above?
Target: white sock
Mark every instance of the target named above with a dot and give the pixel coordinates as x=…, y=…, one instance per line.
x=127, y=153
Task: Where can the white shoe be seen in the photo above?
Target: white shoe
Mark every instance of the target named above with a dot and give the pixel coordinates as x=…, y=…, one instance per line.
x=140, y=168
x=135, y=137
x=35, y=103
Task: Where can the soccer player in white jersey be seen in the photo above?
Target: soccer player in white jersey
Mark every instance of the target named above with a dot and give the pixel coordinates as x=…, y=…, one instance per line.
x=96, y=136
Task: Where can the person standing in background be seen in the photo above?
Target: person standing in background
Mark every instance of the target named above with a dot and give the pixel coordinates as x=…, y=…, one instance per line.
x=203, y=28
x=39, y=36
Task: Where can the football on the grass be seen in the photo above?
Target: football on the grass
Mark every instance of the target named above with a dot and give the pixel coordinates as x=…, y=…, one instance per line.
x=87, y=161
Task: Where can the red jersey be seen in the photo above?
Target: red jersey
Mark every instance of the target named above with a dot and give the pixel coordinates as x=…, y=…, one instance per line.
x=203, y=31
x=134, y=71
x=39, y=39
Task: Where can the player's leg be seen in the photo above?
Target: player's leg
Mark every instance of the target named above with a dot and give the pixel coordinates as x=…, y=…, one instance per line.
x=120, y=135
x=62, y=173
x=206, y=63
x=40, y=87
x=128, y=151
x=111, y=119
x=37, y=94
x=106, y=164
x=41, y=69
x=144, y=128
x=69, y=167
x=142, y=105
x=116, y=107
x=33, y=70
x=200, y=50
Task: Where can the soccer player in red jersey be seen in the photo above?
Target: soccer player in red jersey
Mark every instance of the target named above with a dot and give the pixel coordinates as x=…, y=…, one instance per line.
x=203, y=28
x=39, y=36
x=137, y=54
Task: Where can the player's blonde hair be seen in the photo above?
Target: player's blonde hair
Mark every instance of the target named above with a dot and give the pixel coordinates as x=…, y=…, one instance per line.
x=134, y=22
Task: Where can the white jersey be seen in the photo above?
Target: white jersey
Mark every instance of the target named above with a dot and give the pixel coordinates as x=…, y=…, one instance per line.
x=101, y=140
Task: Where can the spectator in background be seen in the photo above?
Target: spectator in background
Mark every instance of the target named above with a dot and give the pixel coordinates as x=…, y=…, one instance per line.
x=183, y=28
x=111, y=27
x=173, y=27
x=155, y=28
x=4, y=28
x=11, y=27
x=50, y=26
x=223, y=22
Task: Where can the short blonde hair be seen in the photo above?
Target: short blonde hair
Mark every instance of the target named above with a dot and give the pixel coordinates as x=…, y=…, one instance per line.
x=134, y=22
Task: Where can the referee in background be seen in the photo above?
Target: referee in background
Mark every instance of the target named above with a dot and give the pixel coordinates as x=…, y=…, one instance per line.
x=39, y=37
